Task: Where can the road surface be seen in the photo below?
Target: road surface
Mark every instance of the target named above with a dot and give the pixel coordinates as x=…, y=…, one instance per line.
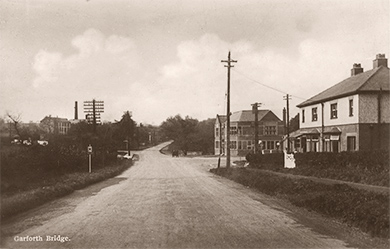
x=165, y=202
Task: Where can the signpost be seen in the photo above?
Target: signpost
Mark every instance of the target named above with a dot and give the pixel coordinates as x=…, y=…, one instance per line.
x=90, y=158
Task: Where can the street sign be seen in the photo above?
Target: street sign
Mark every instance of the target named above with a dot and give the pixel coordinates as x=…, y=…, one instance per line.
x=89, y=149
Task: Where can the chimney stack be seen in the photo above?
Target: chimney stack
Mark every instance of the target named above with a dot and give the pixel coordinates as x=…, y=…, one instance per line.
x=380, y=61
x=356, y=69
x=76, y=116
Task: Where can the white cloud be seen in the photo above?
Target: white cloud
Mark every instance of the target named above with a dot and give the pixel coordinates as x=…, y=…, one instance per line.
x=103, y=68
x=108, y=68
x=46, y=65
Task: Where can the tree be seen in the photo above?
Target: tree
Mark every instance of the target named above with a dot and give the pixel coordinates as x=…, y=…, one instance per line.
x=189, y=134
x=125, y=129
x=204, y=136
x=180, y=130
x=16, y=120
x=294, y=123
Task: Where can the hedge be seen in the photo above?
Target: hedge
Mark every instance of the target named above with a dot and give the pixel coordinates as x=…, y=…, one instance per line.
x=24, y=167
x=360, y=208
x=368, y=167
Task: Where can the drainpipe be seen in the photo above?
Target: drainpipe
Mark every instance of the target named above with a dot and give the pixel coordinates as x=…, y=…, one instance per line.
x=379, y=118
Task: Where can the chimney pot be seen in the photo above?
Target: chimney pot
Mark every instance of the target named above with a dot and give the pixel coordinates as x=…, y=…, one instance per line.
x=356, y=69
x=380, y=60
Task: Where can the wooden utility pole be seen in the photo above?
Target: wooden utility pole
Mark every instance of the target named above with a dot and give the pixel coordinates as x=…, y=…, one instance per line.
x=287, y=98
x=255, y=107
x=94, y=108
x=228, y=61
x=379, y=118
x=94, y=115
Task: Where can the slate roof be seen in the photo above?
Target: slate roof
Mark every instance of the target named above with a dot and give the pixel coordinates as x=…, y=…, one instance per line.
x=249, y=116
x=221, y=118
x=371, y=80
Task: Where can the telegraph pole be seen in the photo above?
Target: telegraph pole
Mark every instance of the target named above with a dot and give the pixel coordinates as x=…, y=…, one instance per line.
x=94, y=108
x=228, y=61
x=255, y=111
x=287, y=98
x=94, y=115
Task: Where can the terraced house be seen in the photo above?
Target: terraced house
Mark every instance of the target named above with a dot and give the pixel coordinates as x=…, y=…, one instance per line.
x=351, y=115
x=242, y=132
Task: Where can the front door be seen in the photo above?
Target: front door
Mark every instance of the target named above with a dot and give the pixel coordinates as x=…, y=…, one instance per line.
x=335, y=146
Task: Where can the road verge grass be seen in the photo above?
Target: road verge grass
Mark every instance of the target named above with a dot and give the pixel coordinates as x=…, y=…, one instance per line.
x=359, y=208
x=57, y=187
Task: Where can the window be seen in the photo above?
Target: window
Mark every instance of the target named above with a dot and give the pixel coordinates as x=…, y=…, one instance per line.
x=270, y=130
x=217, y=132
x=270, y=145
x=240, y=145
x=233, y=145
x=351, y=107
x=233, y=130
x=351, y=143
x=303, y=116
x=216, y=144
x=249, y=145
x=333, y=111
x=314, y=115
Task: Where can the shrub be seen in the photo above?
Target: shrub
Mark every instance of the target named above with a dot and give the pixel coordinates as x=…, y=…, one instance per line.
x=365, y=210
x=368, y=167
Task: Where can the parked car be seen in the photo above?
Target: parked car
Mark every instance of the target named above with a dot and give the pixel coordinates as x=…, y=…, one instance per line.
x=123, y=155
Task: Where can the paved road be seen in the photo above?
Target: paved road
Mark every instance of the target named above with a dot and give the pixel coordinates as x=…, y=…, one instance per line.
x=165, y=202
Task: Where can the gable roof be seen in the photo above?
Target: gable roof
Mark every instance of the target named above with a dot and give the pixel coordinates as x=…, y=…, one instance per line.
x=371, y=80
x=221, y=118
x=249, y=116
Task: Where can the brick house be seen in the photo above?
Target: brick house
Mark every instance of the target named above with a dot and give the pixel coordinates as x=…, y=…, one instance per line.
x=242, y=132
x=351, y=115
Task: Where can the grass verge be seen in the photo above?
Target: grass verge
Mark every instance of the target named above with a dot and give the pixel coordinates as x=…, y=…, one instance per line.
x=61, y=186
x=359, y=208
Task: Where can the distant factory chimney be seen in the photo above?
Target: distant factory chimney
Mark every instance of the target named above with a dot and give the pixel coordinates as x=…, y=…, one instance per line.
x=76, y=116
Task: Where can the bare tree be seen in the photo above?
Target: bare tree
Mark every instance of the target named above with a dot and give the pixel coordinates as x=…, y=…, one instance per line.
x=15, y=121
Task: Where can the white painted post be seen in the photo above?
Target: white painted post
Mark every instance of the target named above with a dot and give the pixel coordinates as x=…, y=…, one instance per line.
x=90, y=158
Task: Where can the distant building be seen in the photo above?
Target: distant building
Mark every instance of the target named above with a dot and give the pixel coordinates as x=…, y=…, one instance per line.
x=242, y=132
x=351, y=115
x=55, y=125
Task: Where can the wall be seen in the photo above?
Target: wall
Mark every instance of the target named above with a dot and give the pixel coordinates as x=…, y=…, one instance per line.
x=368, y=104
x=373, y=137
x=342, y=113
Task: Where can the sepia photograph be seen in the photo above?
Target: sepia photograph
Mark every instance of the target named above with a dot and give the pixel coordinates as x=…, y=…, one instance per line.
x=194, y=124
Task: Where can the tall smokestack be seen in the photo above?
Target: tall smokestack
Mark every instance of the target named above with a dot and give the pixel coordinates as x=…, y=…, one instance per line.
x=76, y=116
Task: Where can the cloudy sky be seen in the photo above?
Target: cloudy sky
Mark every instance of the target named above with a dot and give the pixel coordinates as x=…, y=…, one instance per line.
x=162, y=58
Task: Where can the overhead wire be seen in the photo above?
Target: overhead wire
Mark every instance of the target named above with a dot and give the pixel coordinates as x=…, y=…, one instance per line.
x=265, y=85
